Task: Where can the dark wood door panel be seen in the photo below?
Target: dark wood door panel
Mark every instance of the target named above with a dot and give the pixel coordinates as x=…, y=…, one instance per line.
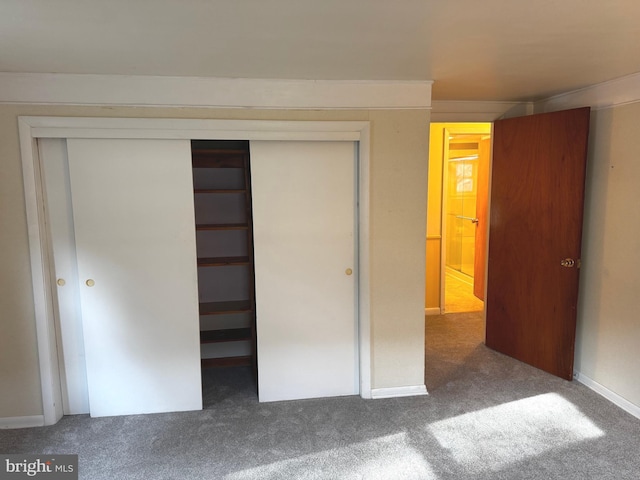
x=537, y=194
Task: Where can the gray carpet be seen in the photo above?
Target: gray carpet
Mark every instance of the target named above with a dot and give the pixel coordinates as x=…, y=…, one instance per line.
x=487, y=417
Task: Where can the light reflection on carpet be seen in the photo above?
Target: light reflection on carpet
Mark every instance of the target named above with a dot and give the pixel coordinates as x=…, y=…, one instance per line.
x=492, y=438
x=384, y=458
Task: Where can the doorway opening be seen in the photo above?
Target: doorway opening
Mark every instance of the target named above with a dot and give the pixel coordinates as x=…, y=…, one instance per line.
x=532, y=286
x=457, y=217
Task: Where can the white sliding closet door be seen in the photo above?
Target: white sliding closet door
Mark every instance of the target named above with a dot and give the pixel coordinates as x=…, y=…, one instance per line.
x=135, y=242
x=55, y=169
x=303, y=223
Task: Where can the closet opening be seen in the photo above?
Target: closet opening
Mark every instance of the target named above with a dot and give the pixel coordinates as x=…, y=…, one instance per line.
x=226, y=274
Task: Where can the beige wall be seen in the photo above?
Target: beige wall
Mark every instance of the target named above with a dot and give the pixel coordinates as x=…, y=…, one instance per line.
x=399, y=152
x=608, y=334
x=400, y=142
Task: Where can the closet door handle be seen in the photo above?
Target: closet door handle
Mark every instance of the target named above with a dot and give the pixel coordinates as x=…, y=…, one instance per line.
x=90, y=282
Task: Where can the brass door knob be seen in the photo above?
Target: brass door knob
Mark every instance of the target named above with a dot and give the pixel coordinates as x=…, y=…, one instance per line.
x=348, y=271
x=61, y=282
x=90, y=282
x=568, y=262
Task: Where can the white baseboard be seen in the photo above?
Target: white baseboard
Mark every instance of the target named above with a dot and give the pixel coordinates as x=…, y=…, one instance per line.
x=432, y=311
x=22, y=422
x=613, y=397
x=392, y=392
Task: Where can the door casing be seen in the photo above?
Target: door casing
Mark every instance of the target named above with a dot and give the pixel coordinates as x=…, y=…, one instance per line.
x=33, y=128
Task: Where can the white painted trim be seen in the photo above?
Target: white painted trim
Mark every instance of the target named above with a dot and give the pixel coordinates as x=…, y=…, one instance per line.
x=613, y=397
x=444, y=111
x=31, y=128
x=393, y=392
x=432, y=311
x=364, y=272
x=616, y=92
x=139, y=90
x=102, y=127
x=22, y=422
x=40, y=276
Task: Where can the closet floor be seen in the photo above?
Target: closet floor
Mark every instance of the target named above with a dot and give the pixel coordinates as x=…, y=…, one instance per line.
x=226, y=386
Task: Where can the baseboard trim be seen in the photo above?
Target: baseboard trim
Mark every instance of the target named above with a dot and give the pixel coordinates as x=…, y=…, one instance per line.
x=22, y=422
x=432, y=311
x=613, y=397
x=393, y=392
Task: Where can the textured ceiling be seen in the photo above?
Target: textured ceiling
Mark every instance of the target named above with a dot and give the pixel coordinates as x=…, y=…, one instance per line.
x=473, y=50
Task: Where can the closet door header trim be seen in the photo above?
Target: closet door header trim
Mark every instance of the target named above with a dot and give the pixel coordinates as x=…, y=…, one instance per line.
x=161, y=128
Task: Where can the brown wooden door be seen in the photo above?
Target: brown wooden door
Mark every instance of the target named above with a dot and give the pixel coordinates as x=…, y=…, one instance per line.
x=537, y=193
x=482, y=195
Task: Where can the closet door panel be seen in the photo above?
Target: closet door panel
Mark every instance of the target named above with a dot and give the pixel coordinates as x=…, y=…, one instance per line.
x=134, y=227
x=303, y=222
x=55, y=169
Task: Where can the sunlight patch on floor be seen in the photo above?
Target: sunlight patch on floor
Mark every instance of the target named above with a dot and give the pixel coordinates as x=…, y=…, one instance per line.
x=495, y=437
x=384, y=458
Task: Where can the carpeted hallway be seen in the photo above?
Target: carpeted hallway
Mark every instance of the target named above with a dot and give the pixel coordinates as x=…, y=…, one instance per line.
x=487, y=417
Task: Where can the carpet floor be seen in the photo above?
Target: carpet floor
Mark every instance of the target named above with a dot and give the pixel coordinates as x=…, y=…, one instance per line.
x=487, y=417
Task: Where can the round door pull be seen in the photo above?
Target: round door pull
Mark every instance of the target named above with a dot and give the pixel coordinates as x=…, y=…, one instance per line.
x=61, y=282
x=348, y=271
x=90, y=282
x=568, y=262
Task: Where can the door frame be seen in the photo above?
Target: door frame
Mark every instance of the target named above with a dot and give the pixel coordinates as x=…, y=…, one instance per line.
x=40, y=249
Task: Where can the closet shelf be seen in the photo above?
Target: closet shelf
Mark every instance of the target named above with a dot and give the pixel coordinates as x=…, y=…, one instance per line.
x=216, y=158
x=229, y=335
x=222, y=261
x=226, y=362
x=221, y=308
x=222, y=226
x=220, y=190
